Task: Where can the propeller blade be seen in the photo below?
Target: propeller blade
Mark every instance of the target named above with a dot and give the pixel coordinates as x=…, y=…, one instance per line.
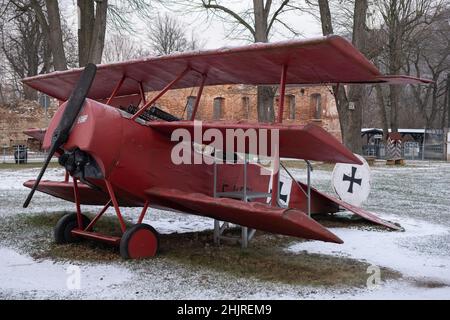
x=68, y=118
x=74, y=105
x=41, y=174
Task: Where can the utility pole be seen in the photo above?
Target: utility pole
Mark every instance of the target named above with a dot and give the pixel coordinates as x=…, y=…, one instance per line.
x=448, y=100
x=447, y=131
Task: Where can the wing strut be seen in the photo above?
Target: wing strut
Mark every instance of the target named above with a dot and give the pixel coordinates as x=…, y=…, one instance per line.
x=161, y=93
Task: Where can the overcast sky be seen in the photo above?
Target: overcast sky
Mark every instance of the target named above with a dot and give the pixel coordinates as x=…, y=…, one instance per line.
x=214, y=32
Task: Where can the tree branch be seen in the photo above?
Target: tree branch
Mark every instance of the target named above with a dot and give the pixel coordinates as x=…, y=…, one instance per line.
x=275, y=15
x=237, y=17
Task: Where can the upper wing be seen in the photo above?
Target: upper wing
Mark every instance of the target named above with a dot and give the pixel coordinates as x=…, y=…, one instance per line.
x=323, y=60
x=255, y=215
x=309, y=142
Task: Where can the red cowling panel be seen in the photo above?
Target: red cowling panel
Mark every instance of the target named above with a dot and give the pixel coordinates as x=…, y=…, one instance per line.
x=308, y=142
x=321, y=60
x=324, y=203
x=251, y=214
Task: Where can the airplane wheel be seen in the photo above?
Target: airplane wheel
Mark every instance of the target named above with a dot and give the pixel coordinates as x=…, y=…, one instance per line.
x=64, y=227
x=138, y=242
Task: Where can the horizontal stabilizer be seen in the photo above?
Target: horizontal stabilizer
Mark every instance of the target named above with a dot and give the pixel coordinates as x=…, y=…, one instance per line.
x=324, y=203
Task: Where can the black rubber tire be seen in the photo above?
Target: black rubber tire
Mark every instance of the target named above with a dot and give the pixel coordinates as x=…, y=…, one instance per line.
x=65, y=225
x=128, y=234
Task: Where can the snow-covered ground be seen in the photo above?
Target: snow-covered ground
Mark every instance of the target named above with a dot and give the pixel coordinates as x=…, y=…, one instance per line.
x=417, y=196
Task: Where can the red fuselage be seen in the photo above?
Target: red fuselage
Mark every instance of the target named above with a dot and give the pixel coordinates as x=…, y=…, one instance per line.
x=134, y=158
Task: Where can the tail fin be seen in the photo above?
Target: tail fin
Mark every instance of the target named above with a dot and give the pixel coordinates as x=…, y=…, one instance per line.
x=38, y=134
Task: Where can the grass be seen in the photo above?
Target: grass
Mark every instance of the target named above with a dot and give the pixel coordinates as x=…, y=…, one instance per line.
x=266, y=258
x=430, y=284
x=13, y=166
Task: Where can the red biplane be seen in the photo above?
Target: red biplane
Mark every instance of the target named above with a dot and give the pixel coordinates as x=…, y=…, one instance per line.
x=121, y=157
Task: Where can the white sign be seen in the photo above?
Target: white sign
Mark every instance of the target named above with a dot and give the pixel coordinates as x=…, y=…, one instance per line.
x=352, y=182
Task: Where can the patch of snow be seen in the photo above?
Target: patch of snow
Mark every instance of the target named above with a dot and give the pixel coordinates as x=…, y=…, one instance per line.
x=386, y=249
x=20, y=273
x=414, y=196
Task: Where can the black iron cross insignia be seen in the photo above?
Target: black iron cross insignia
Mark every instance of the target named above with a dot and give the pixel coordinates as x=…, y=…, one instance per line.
x=352, y=180
x=282, y=196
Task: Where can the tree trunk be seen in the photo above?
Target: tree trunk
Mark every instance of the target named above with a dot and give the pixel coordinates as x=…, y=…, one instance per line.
x=325, y=17
x=394, y=53
x=265, y=98
x=266, y=94
x=357, y=93
x=86, y=11
x=383, y=112
x=350, y=120
x=393, y=98
x=2, y=98
x=260, y=21
x=55, y=35
x=97, y=42
x=47, y=57
x=29, y=93
x=52, y=31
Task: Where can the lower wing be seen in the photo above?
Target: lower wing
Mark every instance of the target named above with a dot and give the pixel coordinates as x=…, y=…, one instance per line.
x=291, y=222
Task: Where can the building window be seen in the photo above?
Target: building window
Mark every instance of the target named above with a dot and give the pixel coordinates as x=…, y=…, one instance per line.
x=190, y=102
x=289, y=106
x=290, y=99
x=218, y=108
x=246, y=107
x=316, y=100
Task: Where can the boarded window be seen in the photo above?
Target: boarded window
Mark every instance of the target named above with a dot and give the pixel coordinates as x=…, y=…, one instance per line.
x=190, y=102
x=291, y=105
x=218, y=108
x=316, y=100
x=246, y=107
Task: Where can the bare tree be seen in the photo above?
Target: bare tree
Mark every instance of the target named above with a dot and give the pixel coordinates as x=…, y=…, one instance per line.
x=91, y=30
x=94, y=16
x=400, y=20
x=51, y=26
x=255, y=23
x=22, y=45
x=430, y=56
x=119, y=47
x=350, y=118
x=167, y=35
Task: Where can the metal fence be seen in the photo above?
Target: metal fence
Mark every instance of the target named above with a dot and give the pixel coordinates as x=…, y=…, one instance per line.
x=21, y=155
x=410, y=151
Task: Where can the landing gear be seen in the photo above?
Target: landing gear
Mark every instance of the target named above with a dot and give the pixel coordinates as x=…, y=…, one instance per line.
x=65, y=225
x=138, y=242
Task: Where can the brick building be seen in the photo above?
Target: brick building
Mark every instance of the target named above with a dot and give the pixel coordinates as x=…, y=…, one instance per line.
x=238, y=102
x=233, y=102
x=16, y=118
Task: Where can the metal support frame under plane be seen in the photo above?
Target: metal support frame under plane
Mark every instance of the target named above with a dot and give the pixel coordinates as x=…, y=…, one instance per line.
x=244, y=195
